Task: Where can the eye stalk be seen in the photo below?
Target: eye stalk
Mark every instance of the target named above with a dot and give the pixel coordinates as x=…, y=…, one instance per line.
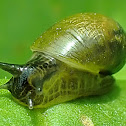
x=18, y=85
x=11, y=68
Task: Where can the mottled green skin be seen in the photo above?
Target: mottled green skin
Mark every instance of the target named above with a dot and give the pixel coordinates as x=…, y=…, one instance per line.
x=69, y=83
x=86, y=41
x=61, y=83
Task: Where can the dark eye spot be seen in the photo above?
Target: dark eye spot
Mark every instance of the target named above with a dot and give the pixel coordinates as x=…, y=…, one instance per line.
x=45, y=65
x=41, y=67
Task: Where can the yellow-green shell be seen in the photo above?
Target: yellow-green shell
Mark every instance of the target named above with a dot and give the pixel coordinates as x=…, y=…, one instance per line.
x=86, y=41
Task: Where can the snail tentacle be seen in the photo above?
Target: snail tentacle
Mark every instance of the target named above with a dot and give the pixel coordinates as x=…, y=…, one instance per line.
x=14, y=69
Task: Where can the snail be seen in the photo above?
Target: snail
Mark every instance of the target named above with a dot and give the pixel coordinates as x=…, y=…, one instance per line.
x=76, y=57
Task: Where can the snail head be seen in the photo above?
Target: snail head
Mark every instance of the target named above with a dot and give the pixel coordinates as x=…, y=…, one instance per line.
x=25, y=83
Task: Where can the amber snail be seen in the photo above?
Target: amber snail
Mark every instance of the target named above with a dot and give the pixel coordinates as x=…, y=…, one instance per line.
x=76, y=57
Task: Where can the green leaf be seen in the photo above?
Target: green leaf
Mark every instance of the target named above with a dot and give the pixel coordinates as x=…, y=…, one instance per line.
x=109, y=109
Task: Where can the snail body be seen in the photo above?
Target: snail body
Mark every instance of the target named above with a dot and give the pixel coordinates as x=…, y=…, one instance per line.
x=76, y=57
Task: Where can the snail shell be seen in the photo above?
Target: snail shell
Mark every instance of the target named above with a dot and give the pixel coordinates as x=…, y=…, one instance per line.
x=75, y=57
x=86, y=41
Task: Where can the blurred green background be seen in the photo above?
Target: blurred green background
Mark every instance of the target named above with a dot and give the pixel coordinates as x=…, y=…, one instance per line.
x=22, y=21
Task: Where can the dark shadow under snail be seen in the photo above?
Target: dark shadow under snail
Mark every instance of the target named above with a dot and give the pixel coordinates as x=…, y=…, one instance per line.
x=76, y=57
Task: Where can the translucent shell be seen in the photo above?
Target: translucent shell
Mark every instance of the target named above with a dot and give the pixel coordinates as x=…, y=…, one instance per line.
x=88, y=41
